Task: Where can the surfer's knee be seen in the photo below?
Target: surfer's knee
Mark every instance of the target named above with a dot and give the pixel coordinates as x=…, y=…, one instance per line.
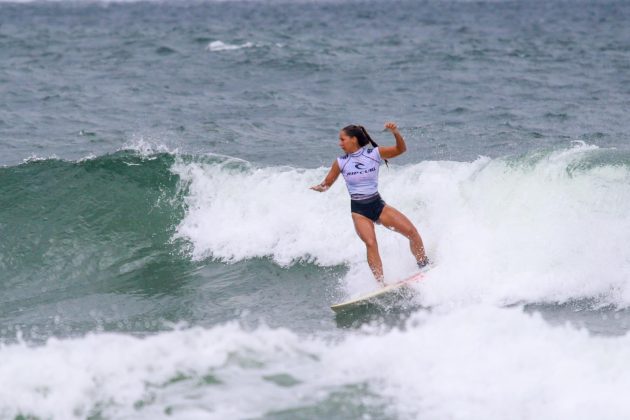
x=370, y=242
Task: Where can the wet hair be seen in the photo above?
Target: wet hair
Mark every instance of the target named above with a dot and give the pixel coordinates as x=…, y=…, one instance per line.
x=361, y=134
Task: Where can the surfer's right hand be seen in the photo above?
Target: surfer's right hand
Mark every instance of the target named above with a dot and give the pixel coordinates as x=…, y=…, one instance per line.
x=320, y=187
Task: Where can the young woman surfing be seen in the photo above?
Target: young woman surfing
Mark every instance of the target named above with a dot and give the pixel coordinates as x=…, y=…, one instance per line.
x=359, y=167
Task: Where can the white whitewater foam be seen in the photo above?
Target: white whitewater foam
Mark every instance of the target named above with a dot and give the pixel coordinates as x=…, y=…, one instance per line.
x=499, y=231
x=36, y=158
x=221, y=46
x=471, y=363
x=238, y=212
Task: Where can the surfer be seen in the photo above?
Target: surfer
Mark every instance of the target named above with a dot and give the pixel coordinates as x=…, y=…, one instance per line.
x=359, y=167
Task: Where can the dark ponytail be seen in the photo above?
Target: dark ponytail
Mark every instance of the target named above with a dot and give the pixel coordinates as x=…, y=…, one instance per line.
x=362, y=136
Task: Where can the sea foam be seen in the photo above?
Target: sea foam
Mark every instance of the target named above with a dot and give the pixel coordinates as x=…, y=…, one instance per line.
x=472, y=362
x=547, y=227
x=221, y=46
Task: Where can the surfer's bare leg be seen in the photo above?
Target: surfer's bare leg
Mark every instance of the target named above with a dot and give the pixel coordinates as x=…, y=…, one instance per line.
x=365, y=230
x=395, y=220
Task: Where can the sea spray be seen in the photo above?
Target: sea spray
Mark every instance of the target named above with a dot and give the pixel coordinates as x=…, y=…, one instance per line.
x=549, y=227
x=471, y=362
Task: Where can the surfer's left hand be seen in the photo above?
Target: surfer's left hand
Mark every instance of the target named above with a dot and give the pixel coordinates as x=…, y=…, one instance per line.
x=391, y=126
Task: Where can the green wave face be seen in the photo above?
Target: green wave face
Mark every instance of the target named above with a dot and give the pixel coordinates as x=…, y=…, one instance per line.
x=91, y=225
x=92, y=246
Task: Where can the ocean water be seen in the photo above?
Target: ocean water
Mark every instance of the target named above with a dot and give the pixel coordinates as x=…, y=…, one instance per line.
x=161, y=255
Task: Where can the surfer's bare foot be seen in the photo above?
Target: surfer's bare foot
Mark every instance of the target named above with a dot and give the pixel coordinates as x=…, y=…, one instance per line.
x=423, y=263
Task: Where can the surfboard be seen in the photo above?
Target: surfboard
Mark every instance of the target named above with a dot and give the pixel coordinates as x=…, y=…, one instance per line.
x=377, y=295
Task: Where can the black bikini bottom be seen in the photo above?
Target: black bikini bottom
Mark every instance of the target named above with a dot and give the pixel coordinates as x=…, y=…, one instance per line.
x=370, y=208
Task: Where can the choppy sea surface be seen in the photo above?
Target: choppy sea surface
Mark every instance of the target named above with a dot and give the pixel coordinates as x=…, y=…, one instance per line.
x=161, y=255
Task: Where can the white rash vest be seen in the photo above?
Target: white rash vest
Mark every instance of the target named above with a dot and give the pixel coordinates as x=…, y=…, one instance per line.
x=360, y=170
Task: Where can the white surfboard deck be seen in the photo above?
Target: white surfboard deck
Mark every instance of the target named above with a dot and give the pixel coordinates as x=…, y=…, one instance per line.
x=375, y=295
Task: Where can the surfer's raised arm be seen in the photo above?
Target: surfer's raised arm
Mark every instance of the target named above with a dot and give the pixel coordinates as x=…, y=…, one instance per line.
x=330, y=179
x=388, y=152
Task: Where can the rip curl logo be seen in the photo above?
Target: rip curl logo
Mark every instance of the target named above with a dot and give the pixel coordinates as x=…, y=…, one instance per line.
x=358, y=166
x=367, y=171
